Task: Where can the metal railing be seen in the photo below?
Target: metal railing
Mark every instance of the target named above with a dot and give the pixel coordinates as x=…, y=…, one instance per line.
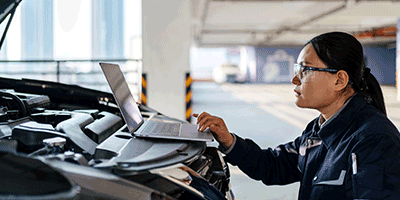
x=85, y=73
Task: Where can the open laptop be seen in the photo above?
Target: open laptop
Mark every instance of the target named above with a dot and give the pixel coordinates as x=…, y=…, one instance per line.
x=134, y=119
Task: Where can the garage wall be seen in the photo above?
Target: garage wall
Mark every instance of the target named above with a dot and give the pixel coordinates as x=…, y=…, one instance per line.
x=274, y=64
x=382, y=62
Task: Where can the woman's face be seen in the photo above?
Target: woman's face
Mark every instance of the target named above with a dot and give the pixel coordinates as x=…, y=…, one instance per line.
x=313, y=89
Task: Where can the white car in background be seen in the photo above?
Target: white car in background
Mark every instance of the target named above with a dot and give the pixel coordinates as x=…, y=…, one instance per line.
x=226, y=73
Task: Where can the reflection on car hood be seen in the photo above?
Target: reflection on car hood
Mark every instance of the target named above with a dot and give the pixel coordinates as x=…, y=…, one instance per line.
x=6, y=6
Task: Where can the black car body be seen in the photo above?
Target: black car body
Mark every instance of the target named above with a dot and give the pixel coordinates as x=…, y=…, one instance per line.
x=60, y=141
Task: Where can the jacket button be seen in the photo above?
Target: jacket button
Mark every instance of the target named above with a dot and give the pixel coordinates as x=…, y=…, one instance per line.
x=315, y=178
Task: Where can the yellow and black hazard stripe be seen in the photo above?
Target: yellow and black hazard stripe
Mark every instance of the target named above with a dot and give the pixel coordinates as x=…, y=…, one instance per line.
x=188, y=84
x=143, y=93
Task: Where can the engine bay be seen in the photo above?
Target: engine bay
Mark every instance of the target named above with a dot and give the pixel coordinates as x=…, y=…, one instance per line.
x=58, y=124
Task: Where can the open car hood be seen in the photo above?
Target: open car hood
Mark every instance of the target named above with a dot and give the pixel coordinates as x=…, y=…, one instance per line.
x=7, y=8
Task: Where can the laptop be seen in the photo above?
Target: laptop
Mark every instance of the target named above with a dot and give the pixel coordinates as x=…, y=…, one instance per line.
x=154, y=127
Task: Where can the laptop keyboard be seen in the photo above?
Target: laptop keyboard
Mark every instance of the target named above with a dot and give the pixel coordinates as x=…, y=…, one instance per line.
x=154, y=127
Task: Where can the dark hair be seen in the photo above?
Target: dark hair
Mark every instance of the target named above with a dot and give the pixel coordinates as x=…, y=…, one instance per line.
x=342, y=51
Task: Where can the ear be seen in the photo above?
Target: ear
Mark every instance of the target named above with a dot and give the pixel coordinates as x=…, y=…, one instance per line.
x=342, y=80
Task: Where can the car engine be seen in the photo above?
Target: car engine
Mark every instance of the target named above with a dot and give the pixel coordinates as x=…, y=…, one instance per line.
x=70, y=142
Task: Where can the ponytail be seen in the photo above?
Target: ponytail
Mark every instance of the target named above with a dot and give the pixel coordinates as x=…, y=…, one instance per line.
x=372, y=91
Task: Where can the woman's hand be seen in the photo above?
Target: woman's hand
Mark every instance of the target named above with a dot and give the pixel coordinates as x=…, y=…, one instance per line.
x=217, y=127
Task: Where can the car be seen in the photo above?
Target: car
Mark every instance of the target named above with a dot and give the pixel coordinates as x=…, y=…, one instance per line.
x=226, y=73
x=61, y=141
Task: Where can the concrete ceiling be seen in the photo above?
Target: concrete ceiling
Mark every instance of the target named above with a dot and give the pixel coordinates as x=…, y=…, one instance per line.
x=269, y=22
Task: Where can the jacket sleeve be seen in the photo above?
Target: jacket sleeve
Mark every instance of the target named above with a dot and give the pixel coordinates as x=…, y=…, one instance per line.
x=376, y=174
x=272, y=166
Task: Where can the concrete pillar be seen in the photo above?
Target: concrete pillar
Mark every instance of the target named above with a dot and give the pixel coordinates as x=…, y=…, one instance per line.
x=248, y=64
x=36, y=38
x=72, y=30
x=166, y=54
x=37, y=29
x=398, y=60
x=108, y=29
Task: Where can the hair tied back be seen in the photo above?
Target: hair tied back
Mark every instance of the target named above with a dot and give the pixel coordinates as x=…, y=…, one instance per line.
x=366, y=79
x=367, y=71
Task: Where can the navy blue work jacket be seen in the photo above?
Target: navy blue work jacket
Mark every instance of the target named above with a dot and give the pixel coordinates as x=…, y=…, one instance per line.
x=321, y=159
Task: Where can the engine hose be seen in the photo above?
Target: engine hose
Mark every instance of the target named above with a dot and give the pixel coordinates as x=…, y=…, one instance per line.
x=21, y=105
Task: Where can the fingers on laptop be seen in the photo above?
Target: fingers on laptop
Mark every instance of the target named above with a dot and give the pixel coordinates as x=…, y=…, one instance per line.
x=217, y=127
x=215, y=123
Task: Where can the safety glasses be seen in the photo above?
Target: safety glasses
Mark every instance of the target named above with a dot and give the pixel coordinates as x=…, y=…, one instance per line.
x=300, y=69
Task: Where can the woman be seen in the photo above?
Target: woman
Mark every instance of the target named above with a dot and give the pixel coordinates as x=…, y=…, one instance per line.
x=350, y=151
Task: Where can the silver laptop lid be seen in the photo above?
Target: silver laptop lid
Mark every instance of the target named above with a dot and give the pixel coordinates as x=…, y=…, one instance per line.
x=123, y=96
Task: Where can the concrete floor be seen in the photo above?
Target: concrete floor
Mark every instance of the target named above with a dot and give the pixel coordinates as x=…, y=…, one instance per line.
x=267, y=114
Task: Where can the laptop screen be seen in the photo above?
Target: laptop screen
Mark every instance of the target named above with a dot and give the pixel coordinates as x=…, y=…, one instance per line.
x=123, y=96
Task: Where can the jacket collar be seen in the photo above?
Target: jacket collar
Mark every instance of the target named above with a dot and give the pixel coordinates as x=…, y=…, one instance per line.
x=335, y=128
